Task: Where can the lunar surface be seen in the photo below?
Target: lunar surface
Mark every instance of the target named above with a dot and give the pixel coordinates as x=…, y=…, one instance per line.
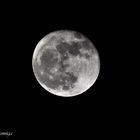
x=66, y=63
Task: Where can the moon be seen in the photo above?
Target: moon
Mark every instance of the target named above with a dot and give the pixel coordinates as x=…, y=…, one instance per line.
x=65, y=63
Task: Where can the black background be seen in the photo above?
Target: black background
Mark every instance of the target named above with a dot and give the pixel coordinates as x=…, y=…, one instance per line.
x=27, y=109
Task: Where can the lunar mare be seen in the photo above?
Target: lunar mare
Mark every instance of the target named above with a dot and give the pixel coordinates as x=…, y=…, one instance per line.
x=79, y=61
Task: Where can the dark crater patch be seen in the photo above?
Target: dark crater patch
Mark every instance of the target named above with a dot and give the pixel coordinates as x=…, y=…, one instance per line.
x=65, y=48
x=69, y=80
x=74, y=49
x=48, y=60
x=87, y=45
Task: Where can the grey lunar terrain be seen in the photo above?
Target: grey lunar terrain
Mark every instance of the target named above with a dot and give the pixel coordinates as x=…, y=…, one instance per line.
x=66, y=63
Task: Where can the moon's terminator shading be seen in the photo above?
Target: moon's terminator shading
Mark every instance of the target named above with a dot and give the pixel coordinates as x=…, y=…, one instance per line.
x=55, y=71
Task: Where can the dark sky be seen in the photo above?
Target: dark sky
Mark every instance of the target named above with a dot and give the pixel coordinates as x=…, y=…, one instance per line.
x=26, y=108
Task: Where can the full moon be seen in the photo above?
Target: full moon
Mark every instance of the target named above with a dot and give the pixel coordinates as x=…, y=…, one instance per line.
x=66, y=63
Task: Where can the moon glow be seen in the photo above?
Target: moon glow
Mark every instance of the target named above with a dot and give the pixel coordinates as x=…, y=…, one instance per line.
x=65, y=63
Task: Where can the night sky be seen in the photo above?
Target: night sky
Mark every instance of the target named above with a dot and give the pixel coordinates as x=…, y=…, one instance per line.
x=27, y=109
